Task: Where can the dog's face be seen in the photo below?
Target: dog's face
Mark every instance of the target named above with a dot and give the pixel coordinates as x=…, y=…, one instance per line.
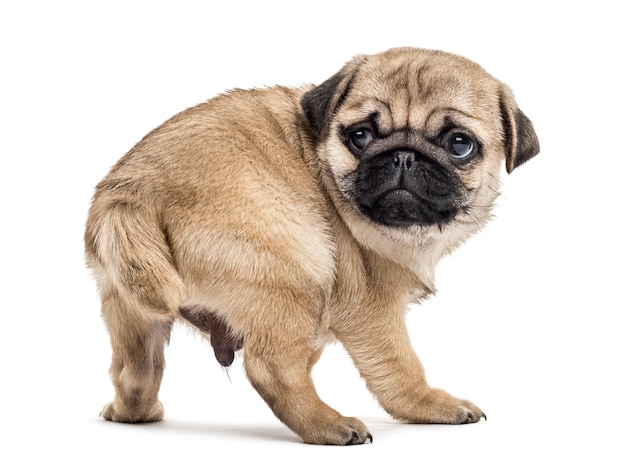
x=412, y=142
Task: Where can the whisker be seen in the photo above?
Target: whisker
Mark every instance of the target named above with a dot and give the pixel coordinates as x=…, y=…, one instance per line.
x=496, y=179
x=467, y=211
x=496, y=189
x=474, y=219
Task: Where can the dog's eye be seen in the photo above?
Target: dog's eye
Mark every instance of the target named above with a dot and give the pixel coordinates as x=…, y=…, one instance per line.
x=459, y=146
x=361, y=138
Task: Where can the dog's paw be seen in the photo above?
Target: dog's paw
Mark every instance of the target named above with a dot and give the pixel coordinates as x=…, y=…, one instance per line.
x=440, y=407
x=112, y=412
x=344, y=431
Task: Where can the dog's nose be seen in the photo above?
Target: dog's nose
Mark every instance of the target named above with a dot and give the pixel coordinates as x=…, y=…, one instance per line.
x=403, y=159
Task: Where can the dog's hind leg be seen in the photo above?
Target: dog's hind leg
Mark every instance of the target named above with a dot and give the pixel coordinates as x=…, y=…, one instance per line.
x=137, y=364
x=140, y=291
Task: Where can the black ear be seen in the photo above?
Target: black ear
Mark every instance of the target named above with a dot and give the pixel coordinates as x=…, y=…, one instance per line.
x=321, y=102
x=521, y=141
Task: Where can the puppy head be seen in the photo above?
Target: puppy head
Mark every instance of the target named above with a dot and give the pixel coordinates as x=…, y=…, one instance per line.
x=412, y=141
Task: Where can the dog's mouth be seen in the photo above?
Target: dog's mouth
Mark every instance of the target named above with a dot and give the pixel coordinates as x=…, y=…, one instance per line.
x=402, y=188
x=401, y=207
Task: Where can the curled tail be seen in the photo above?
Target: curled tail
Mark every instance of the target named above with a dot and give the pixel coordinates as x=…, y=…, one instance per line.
x=129, y=253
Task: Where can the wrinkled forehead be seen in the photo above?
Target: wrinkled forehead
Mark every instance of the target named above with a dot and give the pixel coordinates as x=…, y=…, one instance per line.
x=420, y=91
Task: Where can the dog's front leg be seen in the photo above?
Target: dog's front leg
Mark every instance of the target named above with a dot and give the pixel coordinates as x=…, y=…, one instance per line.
x=381, y=350
x=279, y=356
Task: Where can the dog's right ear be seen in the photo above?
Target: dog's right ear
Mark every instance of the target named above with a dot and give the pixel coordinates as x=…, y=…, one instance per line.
x=520, y=138
x=321, y=102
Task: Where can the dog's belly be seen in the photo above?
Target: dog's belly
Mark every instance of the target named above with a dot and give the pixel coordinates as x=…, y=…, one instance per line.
x=253, y=255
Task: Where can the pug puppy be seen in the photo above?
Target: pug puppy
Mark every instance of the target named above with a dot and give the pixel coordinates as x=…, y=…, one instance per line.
x=282, y=219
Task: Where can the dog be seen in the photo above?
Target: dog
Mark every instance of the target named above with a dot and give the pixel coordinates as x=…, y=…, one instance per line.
x=282, y=219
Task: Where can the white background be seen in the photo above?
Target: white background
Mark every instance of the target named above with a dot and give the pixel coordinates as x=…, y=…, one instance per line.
x=528, y=322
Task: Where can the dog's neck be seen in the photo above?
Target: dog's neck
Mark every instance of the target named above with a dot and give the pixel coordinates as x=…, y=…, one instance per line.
x=408, y=264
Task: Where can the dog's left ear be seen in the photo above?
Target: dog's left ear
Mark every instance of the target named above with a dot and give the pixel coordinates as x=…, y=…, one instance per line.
x=521, y=142
x=321, y=102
